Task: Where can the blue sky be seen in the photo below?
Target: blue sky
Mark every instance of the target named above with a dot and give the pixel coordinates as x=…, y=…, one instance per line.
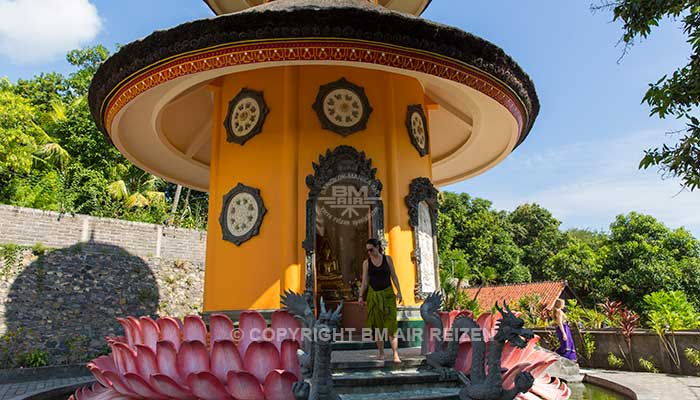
x=580, y=160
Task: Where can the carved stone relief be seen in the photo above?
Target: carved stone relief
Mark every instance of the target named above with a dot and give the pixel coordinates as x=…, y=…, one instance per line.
x=422, y=208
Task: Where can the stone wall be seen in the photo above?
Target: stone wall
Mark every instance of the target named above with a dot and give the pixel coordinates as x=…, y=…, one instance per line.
x=64, y=300
x=645, y=343
x=26, y=226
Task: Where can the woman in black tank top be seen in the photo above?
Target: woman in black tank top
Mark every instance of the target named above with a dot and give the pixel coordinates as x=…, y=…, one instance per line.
x=377, y=275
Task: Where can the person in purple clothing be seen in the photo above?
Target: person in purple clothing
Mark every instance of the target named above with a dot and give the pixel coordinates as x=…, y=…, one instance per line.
x=566, y=341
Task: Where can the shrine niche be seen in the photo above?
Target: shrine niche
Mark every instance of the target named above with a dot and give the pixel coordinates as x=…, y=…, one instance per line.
x=422, y=208
x=336, y=232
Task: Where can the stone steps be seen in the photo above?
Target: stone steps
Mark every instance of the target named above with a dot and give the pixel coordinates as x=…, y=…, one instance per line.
x=358, y=375
x=410, y=382
x=376, y=364
x=427, y=394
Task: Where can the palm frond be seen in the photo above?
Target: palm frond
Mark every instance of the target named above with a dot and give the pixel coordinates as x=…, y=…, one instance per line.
x=137, y=200
x=55, y=154
x=155, y=196
x=117, y=190
x=42, y=136
x=58, y=112
x=152, y=182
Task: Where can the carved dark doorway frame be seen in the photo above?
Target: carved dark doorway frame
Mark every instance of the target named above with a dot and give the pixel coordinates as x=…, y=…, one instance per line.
x=343, y=160
x=422, y=191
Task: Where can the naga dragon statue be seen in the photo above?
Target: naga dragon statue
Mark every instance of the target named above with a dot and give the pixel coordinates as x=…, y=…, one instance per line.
x=315, y=352
x=479, y=385
x=442, y=360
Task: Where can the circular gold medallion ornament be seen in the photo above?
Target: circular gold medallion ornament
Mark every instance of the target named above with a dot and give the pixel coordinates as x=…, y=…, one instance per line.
x=241, y=214
x=246, y=115
x=342, y=107
x=417, y=126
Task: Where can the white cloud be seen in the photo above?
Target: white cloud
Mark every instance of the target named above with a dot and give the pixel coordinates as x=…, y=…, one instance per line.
x=596, y=203
x=586, y=184
x=40, y=30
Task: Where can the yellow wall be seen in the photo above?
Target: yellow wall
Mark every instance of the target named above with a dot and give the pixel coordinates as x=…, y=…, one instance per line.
x=277, y=161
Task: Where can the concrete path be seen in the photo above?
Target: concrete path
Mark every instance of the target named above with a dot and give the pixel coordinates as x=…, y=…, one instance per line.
x=647, y=386
x=16, y=391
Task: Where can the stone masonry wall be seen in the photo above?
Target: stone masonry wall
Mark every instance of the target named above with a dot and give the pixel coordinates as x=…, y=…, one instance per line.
x=63, y=300
x=26, y=226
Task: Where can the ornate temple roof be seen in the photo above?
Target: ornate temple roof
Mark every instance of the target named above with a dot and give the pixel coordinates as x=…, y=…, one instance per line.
x=415, y=7
x=460, y=72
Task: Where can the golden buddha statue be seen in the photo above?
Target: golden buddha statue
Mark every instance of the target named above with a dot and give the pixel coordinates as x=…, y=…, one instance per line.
x=330, y=278
x=329, y=266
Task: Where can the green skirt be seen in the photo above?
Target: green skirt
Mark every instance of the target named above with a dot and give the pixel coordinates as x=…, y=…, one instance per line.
x=381, y=310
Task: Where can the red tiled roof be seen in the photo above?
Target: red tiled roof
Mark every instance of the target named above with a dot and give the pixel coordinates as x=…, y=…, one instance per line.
x=489, y=295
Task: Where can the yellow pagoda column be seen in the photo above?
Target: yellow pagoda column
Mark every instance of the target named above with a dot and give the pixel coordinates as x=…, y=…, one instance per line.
x=277, y=160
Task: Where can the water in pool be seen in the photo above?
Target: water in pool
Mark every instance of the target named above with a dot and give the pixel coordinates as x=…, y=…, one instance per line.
x=586, y=391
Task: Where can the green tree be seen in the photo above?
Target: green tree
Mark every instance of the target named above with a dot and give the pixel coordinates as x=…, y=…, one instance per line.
x=517, y=274
x=43, y=90
x=642, y=256
x=594, y=239
x=88, y=60
x=537, y=233
x=479, y=231
x=454, y=273
x=578, y=264
x=52, y=156
x=19, y=133
x=676, y=95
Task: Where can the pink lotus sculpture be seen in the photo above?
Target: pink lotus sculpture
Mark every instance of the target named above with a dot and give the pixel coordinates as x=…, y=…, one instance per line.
x=167, y=359
x=531, y=359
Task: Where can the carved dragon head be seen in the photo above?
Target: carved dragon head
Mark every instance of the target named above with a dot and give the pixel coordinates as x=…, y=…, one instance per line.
x=510, y=328
x=329, y=319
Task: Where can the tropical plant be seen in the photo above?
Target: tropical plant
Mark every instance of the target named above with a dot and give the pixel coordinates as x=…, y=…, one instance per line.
x=693, y=356
x=614, y=361
x=611, y=309
x=668, y=312
x=39, y=249
x=471, y=304
x=17, y=349
x=589, y=318
x=35, y=358
x=53, y=157
x=533, y=312
x=454, y=273
x=648, y=364
x=517, y=274
x=577, y=263
x=671, y=311
x=642, y=255
x=588, y=346
x=138, y=189
x=628, y=320
x=19, y=133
